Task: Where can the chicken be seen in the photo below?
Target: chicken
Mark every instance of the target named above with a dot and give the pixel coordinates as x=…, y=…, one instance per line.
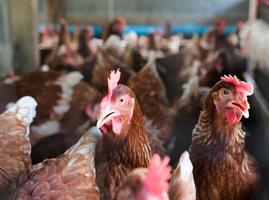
x=64, y=57
x=147, y=183
x=222, y=167
x=15, y=145
x=125, y=144
x=83, y=45
x=109, y=56
x=151, y=94
x=190, y=103
x=115, y=28
x=69, y=176
x=62, y=101
x=182, y=186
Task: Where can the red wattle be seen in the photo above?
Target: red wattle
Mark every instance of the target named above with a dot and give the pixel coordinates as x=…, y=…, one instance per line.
x=231, y=116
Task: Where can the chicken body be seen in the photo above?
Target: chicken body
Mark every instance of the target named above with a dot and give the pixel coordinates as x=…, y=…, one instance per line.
x=15, y=144
x=222, y=167
x=69, y=176
x=151, y=94
x=115, y=157
x=125, y=145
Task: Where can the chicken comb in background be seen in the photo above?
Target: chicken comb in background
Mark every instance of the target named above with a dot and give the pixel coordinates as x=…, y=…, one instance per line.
x=246, y=88
x=24, y=109
x=156, y=181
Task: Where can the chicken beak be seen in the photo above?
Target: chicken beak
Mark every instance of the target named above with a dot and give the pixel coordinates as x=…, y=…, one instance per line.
x=242, y=107
x=105, y=116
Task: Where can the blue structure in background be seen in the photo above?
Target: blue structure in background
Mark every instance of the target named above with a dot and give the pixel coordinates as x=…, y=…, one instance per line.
x=187, y=29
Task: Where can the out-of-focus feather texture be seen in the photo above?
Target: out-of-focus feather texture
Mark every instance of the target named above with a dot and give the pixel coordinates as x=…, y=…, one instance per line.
x=15, y=145
x=69, y=176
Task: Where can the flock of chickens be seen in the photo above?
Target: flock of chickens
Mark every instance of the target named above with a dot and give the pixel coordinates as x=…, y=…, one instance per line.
x=105, y=119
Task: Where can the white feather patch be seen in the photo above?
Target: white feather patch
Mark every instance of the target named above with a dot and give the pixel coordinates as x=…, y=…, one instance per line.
x=25, y=109
x=255, y=40
x=46, y=129
x=67, y=82
x=185, y=166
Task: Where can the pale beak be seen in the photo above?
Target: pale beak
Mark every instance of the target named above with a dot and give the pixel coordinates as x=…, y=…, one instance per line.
x=242, y=107
x=105, y=116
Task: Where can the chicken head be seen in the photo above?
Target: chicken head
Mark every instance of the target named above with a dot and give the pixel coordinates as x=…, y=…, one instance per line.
x=116, y=108
x=231, y=99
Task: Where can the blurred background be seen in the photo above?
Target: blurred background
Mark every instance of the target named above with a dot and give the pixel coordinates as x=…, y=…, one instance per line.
x=61, y=52
x=30, y=17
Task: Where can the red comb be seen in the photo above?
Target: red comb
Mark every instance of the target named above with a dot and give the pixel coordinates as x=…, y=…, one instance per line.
x=112, y=81
x=246, y=88
x=159, y=172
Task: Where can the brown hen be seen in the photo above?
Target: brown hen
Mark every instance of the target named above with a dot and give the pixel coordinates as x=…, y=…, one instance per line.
x=15, y=145
x=151, y=93
x=125, y=144
x=222, y=167
x=69, y=176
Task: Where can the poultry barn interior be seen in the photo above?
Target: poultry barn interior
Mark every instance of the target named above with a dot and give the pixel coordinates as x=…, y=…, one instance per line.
x=134, y=100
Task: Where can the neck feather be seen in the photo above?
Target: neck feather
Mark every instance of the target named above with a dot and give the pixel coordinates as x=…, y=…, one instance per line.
x=134, y=149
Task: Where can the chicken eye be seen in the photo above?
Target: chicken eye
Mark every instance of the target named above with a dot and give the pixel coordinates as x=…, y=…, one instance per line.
x=121, y=100
x=226, y=92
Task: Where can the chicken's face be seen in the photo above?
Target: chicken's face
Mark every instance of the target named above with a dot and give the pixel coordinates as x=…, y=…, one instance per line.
x=231, y=99
x=116, y=113
x=116, y=108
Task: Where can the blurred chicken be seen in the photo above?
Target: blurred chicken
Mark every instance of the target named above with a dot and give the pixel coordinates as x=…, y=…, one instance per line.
x=182, y=186
x=15, y=144
x=64, y=57
x=151, y=94
x=147, y=183
x=83, y=43
x=190, y=103
x=62, y=101
x=222, y=167
x=125, y=144
x=116, y=27
x=69, y=176
x=110, y=57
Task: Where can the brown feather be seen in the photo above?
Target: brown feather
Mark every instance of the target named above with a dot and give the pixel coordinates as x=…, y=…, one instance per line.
x=116, y=157
x=69, y=176
x=15, y=150
x=222, y=167
x=151, y=94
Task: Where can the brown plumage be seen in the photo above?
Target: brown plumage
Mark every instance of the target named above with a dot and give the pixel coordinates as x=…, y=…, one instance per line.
x=125, y=144
x=151, y=94
x=41, y=86
x=83, y=95
x=222, y=168
x=69, y=176
x=108, y=58
x=15, y=144
x=115, y=158
x=62, y=99
x=64, y=57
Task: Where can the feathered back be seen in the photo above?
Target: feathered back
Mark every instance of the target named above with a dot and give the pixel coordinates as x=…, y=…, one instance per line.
x=15, y=145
